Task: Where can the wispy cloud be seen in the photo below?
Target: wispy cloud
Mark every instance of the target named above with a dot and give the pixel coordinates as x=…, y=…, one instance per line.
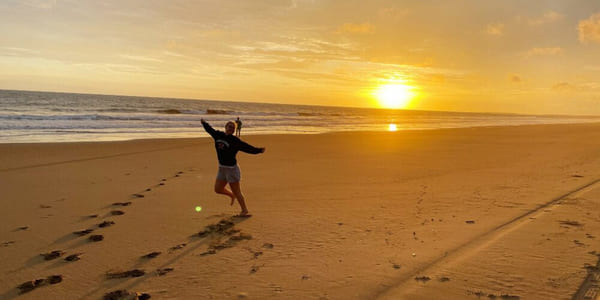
x=496, y=29
x=589, y=29
x=544, y=51
x=548, y=17
x=16, y=51
x=140, y=58
x=351, y=28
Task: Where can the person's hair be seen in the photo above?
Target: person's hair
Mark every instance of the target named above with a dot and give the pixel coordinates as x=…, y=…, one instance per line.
x=231, y=122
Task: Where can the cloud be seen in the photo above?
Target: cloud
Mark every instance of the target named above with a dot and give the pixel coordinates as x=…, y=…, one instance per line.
x=350, y=28
x=496, y=29
x=548, y=17
x=140, y=58
x=589, y=29
x=544, y=51
x=514, y=78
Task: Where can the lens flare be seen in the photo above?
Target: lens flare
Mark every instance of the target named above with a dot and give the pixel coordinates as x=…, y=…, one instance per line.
x=198, y=208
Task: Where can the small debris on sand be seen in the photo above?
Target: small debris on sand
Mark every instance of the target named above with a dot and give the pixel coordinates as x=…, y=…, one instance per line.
x=570, y=223
x=6, y=244
x=177, y=247
x=163, y=271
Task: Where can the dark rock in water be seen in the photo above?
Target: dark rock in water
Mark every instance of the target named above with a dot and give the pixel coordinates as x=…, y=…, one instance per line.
x=117, y=212
x=83, y=232
x=216, y=112
x=73, y=257
x=130, y=273
x=53, y=255
x=152, y=254
x=163, y=271
x=106, y=224
x=96, y=237
x=170, y=111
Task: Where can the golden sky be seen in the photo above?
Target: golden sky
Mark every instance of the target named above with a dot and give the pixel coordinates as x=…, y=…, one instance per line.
x=491, y=56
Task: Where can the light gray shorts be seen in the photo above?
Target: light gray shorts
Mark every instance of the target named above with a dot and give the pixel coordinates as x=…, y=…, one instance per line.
x=229, y=174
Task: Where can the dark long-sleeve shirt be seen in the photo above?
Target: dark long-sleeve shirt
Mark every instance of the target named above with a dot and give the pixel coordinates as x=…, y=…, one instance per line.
x=227, y=146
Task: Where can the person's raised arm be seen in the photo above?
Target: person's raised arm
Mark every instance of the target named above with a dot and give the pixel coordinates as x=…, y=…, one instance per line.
x=244, y=147
x=208, y=128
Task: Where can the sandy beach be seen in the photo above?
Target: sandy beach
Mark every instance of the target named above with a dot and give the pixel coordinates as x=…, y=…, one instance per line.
x=474, y=213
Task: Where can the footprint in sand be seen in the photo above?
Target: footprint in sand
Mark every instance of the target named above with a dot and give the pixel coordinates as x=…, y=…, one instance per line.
x=125, y=274
x=53, y=255
x=125, y=294
x=96, y=238
x=117, y=212
x=152, y=254
x=106, y=224
x=83, y=232
x=33, y=284
x=74, y=257
x=122, y=203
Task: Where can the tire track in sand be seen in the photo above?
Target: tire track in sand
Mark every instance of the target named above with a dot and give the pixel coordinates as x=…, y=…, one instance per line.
x=485, y=239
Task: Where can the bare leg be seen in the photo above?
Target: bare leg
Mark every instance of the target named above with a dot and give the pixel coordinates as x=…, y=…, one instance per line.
x=220, y=189
x=237, y=191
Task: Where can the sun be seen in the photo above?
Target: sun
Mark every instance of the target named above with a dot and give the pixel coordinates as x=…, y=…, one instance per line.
x=394, y=95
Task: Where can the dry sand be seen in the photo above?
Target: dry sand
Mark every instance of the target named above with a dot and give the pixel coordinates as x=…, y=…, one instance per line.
x=479, y=213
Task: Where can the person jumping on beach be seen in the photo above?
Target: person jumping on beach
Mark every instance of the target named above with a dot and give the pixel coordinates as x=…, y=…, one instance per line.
x=238, y=129
x=227, y=146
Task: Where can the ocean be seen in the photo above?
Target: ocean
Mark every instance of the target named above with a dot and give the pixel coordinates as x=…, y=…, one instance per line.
x=28, y=117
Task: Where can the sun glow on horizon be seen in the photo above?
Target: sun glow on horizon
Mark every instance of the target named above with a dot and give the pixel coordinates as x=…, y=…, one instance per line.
x=394, y=95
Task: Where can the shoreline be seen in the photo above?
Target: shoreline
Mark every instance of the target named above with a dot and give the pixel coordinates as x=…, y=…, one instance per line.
x=306, y=133
x=352, y=215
